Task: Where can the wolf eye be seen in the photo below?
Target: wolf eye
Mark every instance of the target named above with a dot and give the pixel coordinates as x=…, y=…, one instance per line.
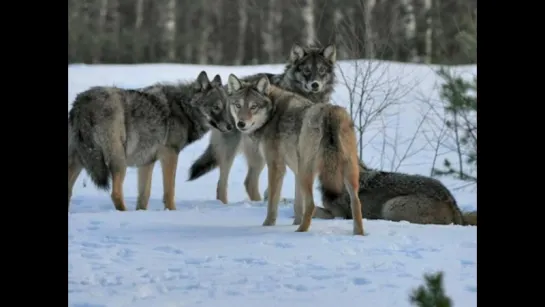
x=306, y=72
x=216, y=108
x=237, y=105
x=322, y=70
x=253, y=107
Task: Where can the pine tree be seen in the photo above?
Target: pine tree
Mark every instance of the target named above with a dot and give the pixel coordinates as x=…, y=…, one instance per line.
x=461, y=109
x=432, y=294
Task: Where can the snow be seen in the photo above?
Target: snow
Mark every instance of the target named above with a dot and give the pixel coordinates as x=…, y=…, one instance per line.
x=209, y=254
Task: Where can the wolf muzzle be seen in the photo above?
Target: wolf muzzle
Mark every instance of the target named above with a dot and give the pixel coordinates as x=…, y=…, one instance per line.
x=227, y=127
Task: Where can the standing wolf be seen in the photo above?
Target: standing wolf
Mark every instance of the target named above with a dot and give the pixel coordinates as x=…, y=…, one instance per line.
x=311, y=139
x=111, y=128
x=396, y=197
x=309, y=72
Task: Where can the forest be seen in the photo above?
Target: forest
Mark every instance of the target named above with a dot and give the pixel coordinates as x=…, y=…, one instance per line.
x=249, y=32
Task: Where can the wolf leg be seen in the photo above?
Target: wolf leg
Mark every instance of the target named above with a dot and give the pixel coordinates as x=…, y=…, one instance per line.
x=298, y=203
x=351, y=182
x=276, y=172
x=322, y=213
x=306, y=181
x=226, y=152
x=256, y=163
x=144, y=185
x=74, y=169
x=169, y=163
x=118, y=177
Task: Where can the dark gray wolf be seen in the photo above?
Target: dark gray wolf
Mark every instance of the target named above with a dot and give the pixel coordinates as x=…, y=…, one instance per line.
x=311, y=139
x=111, y=128
x=396, y=197
x=309, y=72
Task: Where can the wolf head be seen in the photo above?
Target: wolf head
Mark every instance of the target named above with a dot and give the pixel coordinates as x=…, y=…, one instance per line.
x=249, y=103
x=312, y=69
x=210, y=98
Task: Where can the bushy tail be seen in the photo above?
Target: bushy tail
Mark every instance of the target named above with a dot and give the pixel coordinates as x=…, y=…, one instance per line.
x=470, y=218
x=89, y=152
x=458, y=216
x=337, y=142
x=204, y=164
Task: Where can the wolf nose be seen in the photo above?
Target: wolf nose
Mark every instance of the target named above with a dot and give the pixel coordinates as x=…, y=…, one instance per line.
x=241, y=124
x=314, y=85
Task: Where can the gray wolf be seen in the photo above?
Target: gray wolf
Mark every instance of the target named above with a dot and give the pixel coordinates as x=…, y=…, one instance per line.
x=311, y=139
x=396, y=197
x=310, y=72
x=111, y=128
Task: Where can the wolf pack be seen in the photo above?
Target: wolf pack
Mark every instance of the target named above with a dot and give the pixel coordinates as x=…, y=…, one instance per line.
x=280, y=121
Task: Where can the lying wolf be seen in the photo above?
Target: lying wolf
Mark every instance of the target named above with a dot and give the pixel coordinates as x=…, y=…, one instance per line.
x=399, y=197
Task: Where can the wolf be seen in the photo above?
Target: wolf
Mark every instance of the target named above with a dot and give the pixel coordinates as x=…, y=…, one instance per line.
x=111, y=128
x=396, y=197
x=310, y=72
x=311, y=139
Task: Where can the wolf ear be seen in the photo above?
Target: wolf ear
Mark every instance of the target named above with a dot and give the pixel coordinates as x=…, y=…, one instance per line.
x=202, y=82
x=297, y=52
x=263, y=85
x=216, y=81
x=330, y=53
x=233, y=84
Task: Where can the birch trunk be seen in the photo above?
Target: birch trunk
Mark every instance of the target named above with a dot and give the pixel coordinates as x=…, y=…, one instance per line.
x=309, y=31
x=170, y=30
x=242, y=26
x=428, y=34
x=369, y=37
x=410, y=29
x=272, y=42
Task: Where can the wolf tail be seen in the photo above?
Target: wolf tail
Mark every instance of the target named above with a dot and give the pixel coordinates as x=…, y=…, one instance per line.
x=204, y=164
x=338, y=141
x=89, y=151
x=458, y=216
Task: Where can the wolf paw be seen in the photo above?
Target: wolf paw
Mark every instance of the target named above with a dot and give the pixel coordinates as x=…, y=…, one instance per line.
x=269, y=222
x=297, y=221
x=301, y=229
x=358, y=232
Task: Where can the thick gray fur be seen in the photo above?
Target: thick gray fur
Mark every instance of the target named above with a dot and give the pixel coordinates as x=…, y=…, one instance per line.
x=313, y=140
x=110, y=128
x=306, y=66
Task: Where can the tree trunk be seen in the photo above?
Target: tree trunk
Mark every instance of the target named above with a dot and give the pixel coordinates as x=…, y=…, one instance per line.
x=216, y=52
x=190, y=32
x=369, y=39
x=272, y=41
x=206, y=28
x=242, y=27
x=170, y=30
x=112, y=29
x=338, y=18
x=99, y=36
x=139, y=19
x=410, y=29
x=309, y=30
x=428, y=36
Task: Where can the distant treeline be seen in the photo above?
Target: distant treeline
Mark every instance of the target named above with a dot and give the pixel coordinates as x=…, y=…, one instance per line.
x=243, y=32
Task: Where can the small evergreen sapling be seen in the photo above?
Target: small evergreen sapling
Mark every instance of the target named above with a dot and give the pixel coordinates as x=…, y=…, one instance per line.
x=432, y=294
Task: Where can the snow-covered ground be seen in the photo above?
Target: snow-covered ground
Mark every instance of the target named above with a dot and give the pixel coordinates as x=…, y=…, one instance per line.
x=208, y=254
